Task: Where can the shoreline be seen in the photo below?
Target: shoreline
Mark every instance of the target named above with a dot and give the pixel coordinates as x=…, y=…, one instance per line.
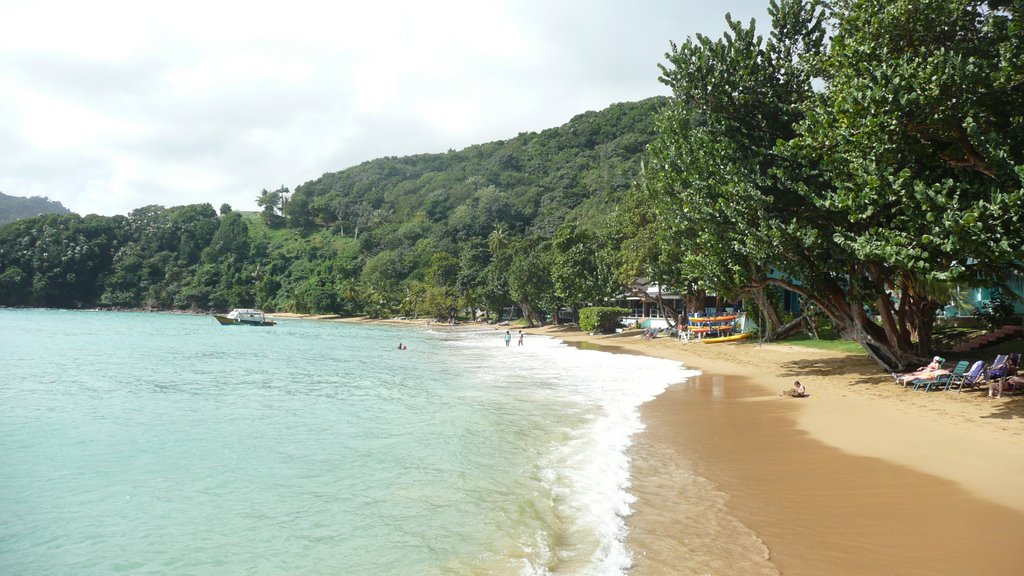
x=862, y=477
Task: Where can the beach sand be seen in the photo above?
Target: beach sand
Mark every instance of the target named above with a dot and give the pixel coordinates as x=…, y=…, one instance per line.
x=861, y=478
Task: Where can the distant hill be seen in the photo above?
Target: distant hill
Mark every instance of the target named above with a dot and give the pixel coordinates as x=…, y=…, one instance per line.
x=15, y=208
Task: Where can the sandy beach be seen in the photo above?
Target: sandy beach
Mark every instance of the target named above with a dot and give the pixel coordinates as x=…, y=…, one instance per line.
x=863, y=477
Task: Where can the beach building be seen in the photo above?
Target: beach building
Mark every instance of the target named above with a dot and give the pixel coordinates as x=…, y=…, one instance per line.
x=647, y=301
x=971, y=299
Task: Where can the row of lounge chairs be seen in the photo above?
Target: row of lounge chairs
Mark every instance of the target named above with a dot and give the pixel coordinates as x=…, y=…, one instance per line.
x=966, y=374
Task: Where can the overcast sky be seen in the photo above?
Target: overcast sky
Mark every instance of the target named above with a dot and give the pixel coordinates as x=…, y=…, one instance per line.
x=109, y=106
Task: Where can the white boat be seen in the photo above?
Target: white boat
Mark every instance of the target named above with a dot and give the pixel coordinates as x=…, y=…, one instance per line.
x=247, y=316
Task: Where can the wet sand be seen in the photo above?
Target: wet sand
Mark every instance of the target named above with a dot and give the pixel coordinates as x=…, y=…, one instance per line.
x=817, y=509
x=861, y=478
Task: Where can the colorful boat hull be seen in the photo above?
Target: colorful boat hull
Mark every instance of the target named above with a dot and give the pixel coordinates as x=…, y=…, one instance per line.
x=733, y=338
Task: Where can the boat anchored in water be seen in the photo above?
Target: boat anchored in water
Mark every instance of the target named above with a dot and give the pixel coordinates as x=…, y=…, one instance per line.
x=246, y=316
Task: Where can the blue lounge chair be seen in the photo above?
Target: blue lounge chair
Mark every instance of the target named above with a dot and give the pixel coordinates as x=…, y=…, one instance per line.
x=958, y=374
x=943, y=380
x=998, y=367
x=973, y=377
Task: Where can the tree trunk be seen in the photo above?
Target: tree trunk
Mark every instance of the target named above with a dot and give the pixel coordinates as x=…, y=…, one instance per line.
x=695, y=302
x=811, y=328
x=874, y=340
x=852, y=322
x=787, y=330
x=923, y=320
x=526, y=314
x=773, y=324
x=667, y=312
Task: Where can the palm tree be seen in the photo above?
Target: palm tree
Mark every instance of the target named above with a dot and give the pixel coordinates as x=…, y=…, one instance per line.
x=498, y=240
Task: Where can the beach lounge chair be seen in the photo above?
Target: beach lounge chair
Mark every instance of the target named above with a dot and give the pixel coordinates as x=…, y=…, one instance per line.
x=973, y=377
x=998, y=368
x=942, y=380
x=934, y=368
x=1011, y=382
x=959, y=372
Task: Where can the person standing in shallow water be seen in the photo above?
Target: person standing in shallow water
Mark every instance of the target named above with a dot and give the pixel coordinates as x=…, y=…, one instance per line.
x=508, y=338
x=520, y=337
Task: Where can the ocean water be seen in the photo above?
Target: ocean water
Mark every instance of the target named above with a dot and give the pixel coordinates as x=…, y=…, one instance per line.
x=141, y=443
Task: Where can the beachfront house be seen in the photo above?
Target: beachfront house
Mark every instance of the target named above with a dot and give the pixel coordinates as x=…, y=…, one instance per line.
x=647, y=301
x=967, y=300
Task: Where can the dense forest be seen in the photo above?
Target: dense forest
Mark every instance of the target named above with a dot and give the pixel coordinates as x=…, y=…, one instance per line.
x=15, y=208
x=866, y=155
x=433, y=234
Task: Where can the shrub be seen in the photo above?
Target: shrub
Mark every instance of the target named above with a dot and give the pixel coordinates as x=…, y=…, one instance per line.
x=601, y=318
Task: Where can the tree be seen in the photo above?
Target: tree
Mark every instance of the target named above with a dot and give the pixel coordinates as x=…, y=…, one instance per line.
x=273, y=204
x=920, y=133
x=647, y=253
x=578, y=273
x=498, y=239
x=529, y=280
x=231, y=241
x=865, y=190
x=723, y=211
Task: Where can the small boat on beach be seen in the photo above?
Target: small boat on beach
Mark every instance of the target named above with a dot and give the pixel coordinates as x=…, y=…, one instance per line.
x=732, y=338
x=244, y=316
x=705, y=320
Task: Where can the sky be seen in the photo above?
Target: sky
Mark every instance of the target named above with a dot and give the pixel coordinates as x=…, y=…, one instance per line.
x=108, y=106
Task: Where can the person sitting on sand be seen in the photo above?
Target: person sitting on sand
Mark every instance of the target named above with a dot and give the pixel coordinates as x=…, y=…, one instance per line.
x=929, y=372
x=797, y=391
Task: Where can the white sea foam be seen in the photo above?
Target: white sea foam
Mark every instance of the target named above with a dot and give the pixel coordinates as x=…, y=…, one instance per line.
x=586, y=469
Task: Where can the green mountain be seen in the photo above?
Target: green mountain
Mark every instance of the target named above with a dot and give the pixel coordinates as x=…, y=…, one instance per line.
x=14, y=207
x=424, y=234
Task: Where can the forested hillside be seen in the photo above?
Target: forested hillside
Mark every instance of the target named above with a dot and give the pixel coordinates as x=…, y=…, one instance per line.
x=422, y=235
x=14, y=207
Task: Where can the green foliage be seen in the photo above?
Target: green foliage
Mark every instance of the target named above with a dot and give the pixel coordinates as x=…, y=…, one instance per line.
x=420, y=235
x=273, y=205
x=900, y=174
x=529, y=279
x=601, y=318
x=577, y=268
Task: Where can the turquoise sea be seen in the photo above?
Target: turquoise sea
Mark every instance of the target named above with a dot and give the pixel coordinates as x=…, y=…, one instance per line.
x=144, y=443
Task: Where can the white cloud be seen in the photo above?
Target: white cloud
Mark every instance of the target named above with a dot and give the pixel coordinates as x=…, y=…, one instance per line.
x=112, y=105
